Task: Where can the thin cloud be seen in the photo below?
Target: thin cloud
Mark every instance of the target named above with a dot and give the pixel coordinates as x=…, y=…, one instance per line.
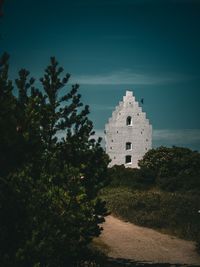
x=177, y=137
x=127, y=77
x=99, y=133
x=101, y=107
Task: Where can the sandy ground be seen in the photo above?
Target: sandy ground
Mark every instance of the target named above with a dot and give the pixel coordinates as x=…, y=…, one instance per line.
x=128, y=241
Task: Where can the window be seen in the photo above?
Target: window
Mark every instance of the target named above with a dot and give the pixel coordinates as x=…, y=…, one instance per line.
x=129, y=121
x=128, y=159
x=128, y=146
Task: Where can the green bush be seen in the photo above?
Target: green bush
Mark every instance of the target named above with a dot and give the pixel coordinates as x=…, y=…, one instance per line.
x=173, y=169
x=128, y=177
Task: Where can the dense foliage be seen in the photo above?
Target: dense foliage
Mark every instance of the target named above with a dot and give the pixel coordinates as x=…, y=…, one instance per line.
x=173, y=169
x=170, y=169
x=49, y=207
x=120, y=176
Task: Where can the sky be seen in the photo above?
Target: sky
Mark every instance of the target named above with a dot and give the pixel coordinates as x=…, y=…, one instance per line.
x=149, y=47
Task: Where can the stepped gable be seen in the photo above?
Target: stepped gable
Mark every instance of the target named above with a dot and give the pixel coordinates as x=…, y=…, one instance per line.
x=128, y=133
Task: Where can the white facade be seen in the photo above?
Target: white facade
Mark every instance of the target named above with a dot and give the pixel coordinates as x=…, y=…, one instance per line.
x=128, y=133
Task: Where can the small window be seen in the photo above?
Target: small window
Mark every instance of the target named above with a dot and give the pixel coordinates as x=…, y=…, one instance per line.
x=128, y=146
x=129, y=121
x=110, y=147
x=111, y=140
x=128, y=159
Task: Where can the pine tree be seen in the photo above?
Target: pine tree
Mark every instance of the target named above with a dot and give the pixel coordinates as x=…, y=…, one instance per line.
x=55, y=185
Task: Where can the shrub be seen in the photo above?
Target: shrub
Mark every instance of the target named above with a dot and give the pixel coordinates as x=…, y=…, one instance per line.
x=173, y=169
x=128, y=177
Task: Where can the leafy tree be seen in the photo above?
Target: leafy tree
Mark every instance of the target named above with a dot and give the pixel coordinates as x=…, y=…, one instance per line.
x=173, y=168
x=48, y=185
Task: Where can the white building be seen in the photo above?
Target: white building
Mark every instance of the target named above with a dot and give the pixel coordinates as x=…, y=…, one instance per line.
x=128, y=133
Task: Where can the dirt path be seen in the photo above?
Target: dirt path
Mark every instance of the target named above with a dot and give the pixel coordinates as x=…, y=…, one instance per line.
x=128, y=241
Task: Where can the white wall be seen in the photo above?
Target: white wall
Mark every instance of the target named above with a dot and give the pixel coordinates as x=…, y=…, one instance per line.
x=117, y=133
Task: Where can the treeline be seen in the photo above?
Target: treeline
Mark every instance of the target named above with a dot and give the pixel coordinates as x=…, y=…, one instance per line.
x=169, y=169
x=49, y=207
x=164, y=193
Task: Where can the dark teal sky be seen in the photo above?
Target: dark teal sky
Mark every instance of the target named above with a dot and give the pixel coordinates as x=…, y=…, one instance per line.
x=108, y=46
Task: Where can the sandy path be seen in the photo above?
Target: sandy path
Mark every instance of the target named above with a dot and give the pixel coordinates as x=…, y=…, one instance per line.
x=128, y=241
